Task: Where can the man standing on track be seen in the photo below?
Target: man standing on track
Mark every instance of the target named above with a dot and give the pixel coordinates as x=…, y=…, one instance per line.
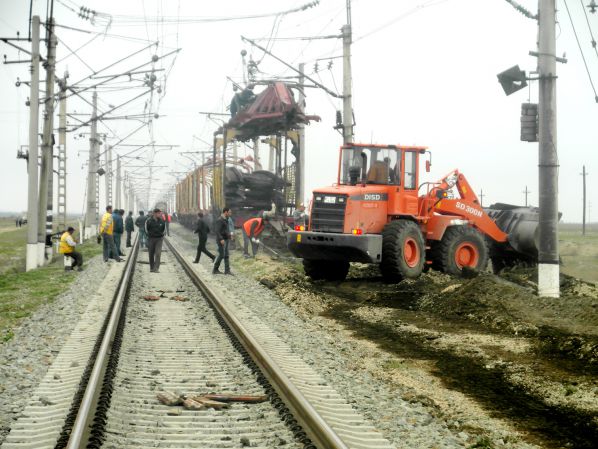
x=222, y=240
x=67, y=247
x=118, y=230
x=106, y=231
x=202, y=230
x=129, y=227
x=140, y=223
x=166, y=218
x=155, y=228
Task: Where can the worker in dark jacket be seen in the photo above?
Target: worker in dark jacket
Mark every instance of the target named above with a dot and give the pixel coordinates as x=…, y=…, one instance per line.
x=129, y=227
x=222, y=240
x=140, y=223
x=252, y=228
x=119, y=229
x=155, y=228
x=202, y=230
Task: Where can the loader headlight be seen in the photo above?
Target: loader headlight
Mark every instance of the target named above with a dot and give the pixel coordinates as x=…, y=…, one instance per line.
x=441, y=194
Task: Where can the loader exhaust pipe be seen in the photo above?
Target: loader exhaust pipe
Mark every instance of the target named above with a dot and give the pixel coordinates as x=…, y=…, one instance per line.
x=364, y=165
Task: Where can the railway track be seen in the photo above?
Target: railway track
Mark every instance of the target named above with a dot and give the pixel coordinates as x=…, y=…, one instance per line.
x=191, y=341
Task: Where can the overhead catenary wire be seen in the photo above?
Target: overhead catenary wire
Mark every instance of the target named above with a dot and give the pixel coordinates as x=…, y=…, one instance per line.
x=404, y=15
x=593, y=41
x=581, y=51
x=131, y=20
x=74, y=53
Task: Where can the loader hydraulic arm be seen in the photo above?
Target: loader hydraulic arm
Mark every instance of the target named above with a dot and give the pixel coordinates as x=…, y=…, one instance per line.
x=467, y=206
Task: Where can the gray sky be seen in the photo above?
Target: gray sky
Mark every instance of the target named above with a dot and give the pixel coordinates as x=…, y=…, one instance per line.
x=424, y=72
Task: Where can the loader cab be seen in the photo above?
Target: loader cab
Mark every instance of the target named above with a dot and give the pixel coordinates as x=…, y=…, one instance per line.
x=389, y=165
x=381, y=182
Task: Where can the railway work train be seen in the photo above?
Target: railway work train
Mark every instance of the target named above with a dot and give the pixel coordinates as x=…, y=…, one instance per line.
x=224, y=179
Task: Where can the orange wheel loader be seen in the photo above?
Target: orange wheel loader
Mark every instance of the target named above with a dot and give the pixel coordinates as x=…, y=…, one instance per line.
x=379, y=212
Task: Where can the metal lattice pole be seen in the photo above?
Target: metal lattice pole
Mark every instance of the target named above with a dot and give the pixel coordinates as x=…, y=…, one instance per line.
x=61, y=206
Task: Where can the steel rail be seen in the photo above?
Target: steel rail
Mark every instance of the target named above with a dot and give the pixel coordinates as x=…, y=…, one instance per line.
x=317, y=429
x=87, y=407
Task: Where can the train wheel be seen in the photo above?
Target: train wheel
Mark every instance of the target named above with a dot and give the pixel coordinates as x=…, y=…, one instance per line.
x=403, y=251
x=460, y=247
x=330, y=270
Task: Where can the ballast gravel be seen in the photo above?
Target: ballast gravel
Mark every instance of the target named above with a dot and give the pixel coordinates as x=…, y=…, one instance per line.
x=407, y=424
x=25, y=359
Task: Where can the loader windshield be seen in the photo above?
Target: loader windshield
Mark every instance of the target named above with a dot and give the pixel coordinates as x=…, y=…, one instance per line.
x=370, y=165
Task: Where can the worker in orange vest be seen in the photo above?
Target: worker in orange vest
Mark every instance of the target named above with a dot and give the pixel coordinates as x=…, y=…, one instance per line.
x=166, y=217
x=252, y=228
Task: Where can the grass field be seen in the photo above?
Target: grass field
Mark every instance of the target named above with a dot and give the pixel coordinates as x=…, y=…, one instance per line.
x=12, y=246
x=579, y=254
x=21, y=293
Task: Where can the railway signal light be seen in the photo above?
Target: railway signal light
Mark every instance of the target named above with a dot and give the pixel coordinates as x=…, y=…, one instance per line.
x=512, y=80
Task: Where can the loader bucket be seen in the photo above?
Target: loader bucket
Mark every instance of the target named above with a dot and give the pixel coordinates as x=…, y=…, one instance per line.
x=521, y=226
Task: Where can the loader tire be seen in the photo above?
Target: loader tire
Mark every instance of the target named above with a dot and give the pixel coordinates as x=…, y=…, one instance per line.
x=329, y=270
x=462, y=246
x=403, y=251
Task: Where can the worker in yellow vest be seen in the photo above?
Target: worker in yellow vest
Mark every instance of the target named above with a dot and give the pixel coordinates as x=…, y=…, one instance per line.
x=107, y=232
x=67, y=247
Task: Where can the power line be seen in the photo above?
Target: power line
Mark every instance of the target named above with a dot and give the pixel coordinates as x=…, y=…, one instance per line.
x=74, y=53
x=401, y=17
x=81, y=47
x=593, y=41
x=581, y=51
x=131, y=20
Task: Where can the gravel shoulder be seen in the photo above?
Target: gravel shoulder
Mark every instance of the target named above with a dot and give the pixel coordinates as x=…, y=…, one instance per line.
x=25, y=359
x=404, y=396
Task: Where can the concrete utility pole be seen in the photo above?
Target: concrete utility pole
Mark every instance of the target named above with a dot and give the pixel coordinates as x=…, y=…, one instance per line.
x=583, y=226
x=44, y=224
x=61, y=209
x=482, y=198
x=548, y=250
x=32, y=163
x=347, y=81
x=526, y=191
x=117, y=199
x=126, y=204
x=92, y=207
x=300, y=174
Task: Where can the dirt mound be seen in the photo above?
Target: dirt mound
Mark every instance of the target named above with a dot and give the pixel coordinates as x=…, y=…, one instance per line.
x=508, y=304
x=529, y=360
